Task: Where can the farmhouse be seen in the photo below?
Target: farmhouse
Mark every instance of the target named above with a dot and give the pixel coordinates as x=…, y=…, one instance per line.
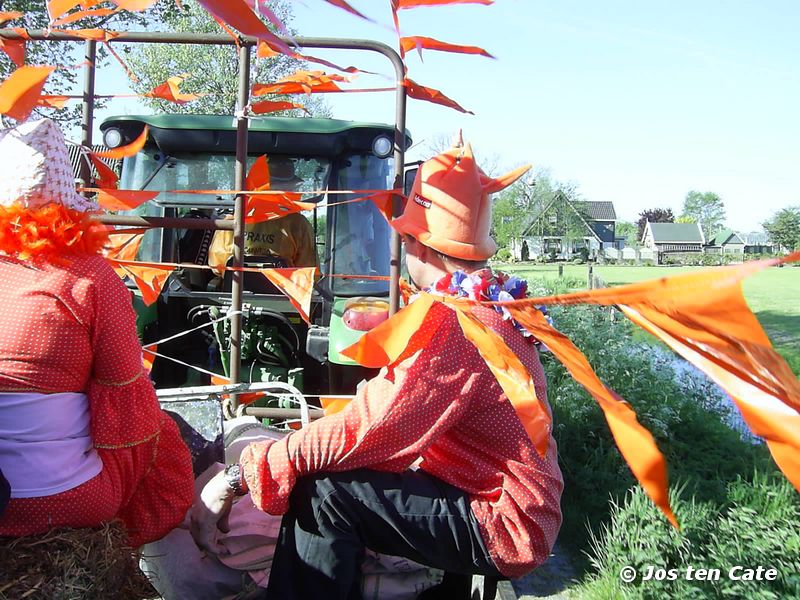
x=567, y=227
x=666, y=238
x=726, y=241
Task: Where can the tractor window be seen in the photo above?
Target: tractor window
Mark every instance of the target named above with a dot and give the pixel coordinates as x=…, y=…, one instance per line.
x=360, y=232
x=152, y=170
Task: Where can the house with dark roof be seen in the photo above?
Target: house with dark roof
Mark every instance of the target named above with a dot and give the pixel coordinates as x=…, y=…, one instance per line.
x=592, y=229
x=666, y=238
x=725, y=241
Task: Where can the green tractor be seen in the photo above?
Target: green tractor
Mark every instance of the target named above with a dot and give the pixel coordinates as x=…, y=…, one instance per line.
x=198, y=152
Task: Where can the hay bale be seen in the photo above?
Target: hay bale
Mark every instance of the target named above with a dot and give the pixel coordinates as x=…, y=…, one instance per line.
x=70, y=564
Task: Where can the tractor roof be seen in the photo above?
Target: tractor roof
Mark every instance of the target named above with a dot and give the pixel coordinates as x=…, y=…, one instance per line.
x=280, y=135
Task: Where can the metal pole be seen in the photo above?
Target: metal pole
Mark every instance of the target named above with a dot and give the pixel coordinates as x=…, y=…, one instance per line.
x=87, y=121
x=399, y=162
x=242, y=100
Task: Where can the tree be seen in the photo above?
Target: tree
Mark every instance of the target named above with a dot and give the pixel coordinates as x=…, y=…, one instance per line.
x=705, y=208
x=784, y=228
x=212, y=69
x=60, y=54
x=518, y=209
x=629, y=232
x=653, y=215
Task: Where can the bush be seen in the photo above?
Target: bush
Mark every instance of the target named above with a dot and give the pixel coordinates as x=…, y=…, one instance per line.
x=755, y=525
x=503, y=255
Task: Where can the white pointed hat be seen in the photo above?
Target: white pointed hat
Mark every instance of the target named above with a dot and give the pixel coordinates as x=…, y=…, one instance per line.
x=35, y=169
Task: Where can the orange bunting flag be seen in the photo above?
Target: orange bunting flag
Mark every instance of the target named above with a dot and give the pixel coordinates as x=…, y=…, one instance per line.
x=297, y=285
x=112, y=199
x=9, y=16
x=15, y=50
x=269, y=106
x=268, y=206
x=702, y=316
x=263, y=50
x=345, y=6
x=511, y=374
x=385, y=200
x=301, y=82
x=169, y=91
x=127, y=150
x=123, y=246
x=149, y=357
x=84, y=14
x=57, y=8
x=405, y=4
x=265, y=10
x=134, y=5
x=238, y=15
x=53, y=101
x=635, y=443
x=20, y=92
x=149, y=278
x=420, y=92
x=420, y=42
x=106, y=178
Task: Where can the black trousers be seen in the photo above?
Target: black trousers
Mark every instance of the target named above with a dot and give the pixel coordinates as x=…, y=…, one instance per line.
x=333, y=517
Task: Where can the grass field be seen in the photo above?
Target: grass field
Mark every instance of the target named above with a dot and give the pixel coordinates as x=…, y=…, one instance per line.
x=773, y=295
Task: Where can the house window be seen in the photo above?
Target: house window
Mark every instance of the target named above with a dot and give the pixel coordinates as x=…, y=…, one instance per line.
x=553, y=219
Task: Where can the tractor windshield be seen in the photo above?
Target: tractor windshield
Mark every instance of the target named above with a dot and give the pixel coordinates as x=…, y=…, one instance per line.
x=353, y=237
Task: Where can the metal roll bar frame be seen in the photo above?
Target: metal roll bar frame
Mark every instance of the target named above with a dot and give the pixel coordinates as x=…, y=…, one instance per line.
x=242, y=121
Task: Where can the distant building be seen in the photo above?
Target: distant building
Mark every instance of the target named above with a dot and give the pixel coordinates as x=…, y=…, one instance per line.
x=666, y=238
x=725, y=241
x=757, y=242
x=544, y=235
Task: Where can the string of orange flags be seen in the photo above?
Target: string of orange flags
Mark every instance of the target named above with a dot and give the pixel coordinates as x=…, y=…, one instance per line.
x=233, y=16
x=702, y=316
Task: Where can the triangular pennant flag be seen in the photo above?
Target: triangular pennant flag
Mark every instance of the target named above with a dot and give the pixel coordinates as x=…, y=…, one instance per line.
x=170, y=91
x=297, y=285
x=239, y=16
x=406, y=4
x=270, y=106
x=149, y=357
x=106, y=178
x=419, y=42
x=420, y=92
x=20, y=92
x=127, y=150
x=15, y=50
x=634, y=441
x=148, y=278
x=511, y=374
x=112, y=199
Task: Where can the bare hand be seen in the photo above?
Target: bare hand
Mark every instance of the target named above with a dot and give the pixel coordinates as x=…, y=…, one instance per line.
x=210, y=514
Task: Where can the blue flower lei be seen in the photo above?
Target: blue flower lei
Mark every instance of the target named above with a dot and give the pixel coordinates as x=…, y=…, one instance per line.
x=484, y=285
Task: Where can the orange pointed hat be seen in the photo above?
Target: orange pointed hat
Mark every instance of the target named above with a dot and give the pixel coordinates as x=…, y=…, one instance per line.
x=449, y=208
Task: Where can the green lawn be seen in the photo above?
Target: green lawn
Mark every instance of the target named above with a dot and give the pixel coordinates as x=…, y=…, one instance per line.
x=773, y=295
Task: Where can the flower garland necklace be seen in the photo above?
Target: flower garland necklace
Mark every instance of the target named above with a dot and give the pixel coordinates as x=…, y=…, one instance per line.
x=484, y=286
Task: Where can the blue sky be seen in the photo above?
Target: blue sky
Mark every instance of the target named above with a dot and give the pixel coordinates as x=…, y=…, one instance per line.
x=635, y=102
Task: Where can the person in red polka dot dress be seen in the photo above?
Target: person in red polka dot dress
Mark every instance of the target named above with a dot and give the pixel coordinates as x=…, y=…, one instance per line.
x=83, y=440
x=430, y=461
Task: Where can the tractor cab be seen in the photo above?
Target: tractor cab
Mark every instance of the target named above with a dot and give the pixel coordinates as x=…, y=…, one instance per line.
x=189, y=160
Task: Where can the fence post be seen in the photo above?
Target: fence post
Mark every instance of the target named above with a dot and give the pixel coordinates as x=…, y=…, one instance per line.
x=560, y=271
x=591, y=278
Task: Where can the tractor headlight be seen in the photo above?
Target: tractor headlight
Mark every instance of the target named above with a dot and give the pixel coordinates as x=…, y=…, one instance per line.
x=382, y=146
x=112, y=137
